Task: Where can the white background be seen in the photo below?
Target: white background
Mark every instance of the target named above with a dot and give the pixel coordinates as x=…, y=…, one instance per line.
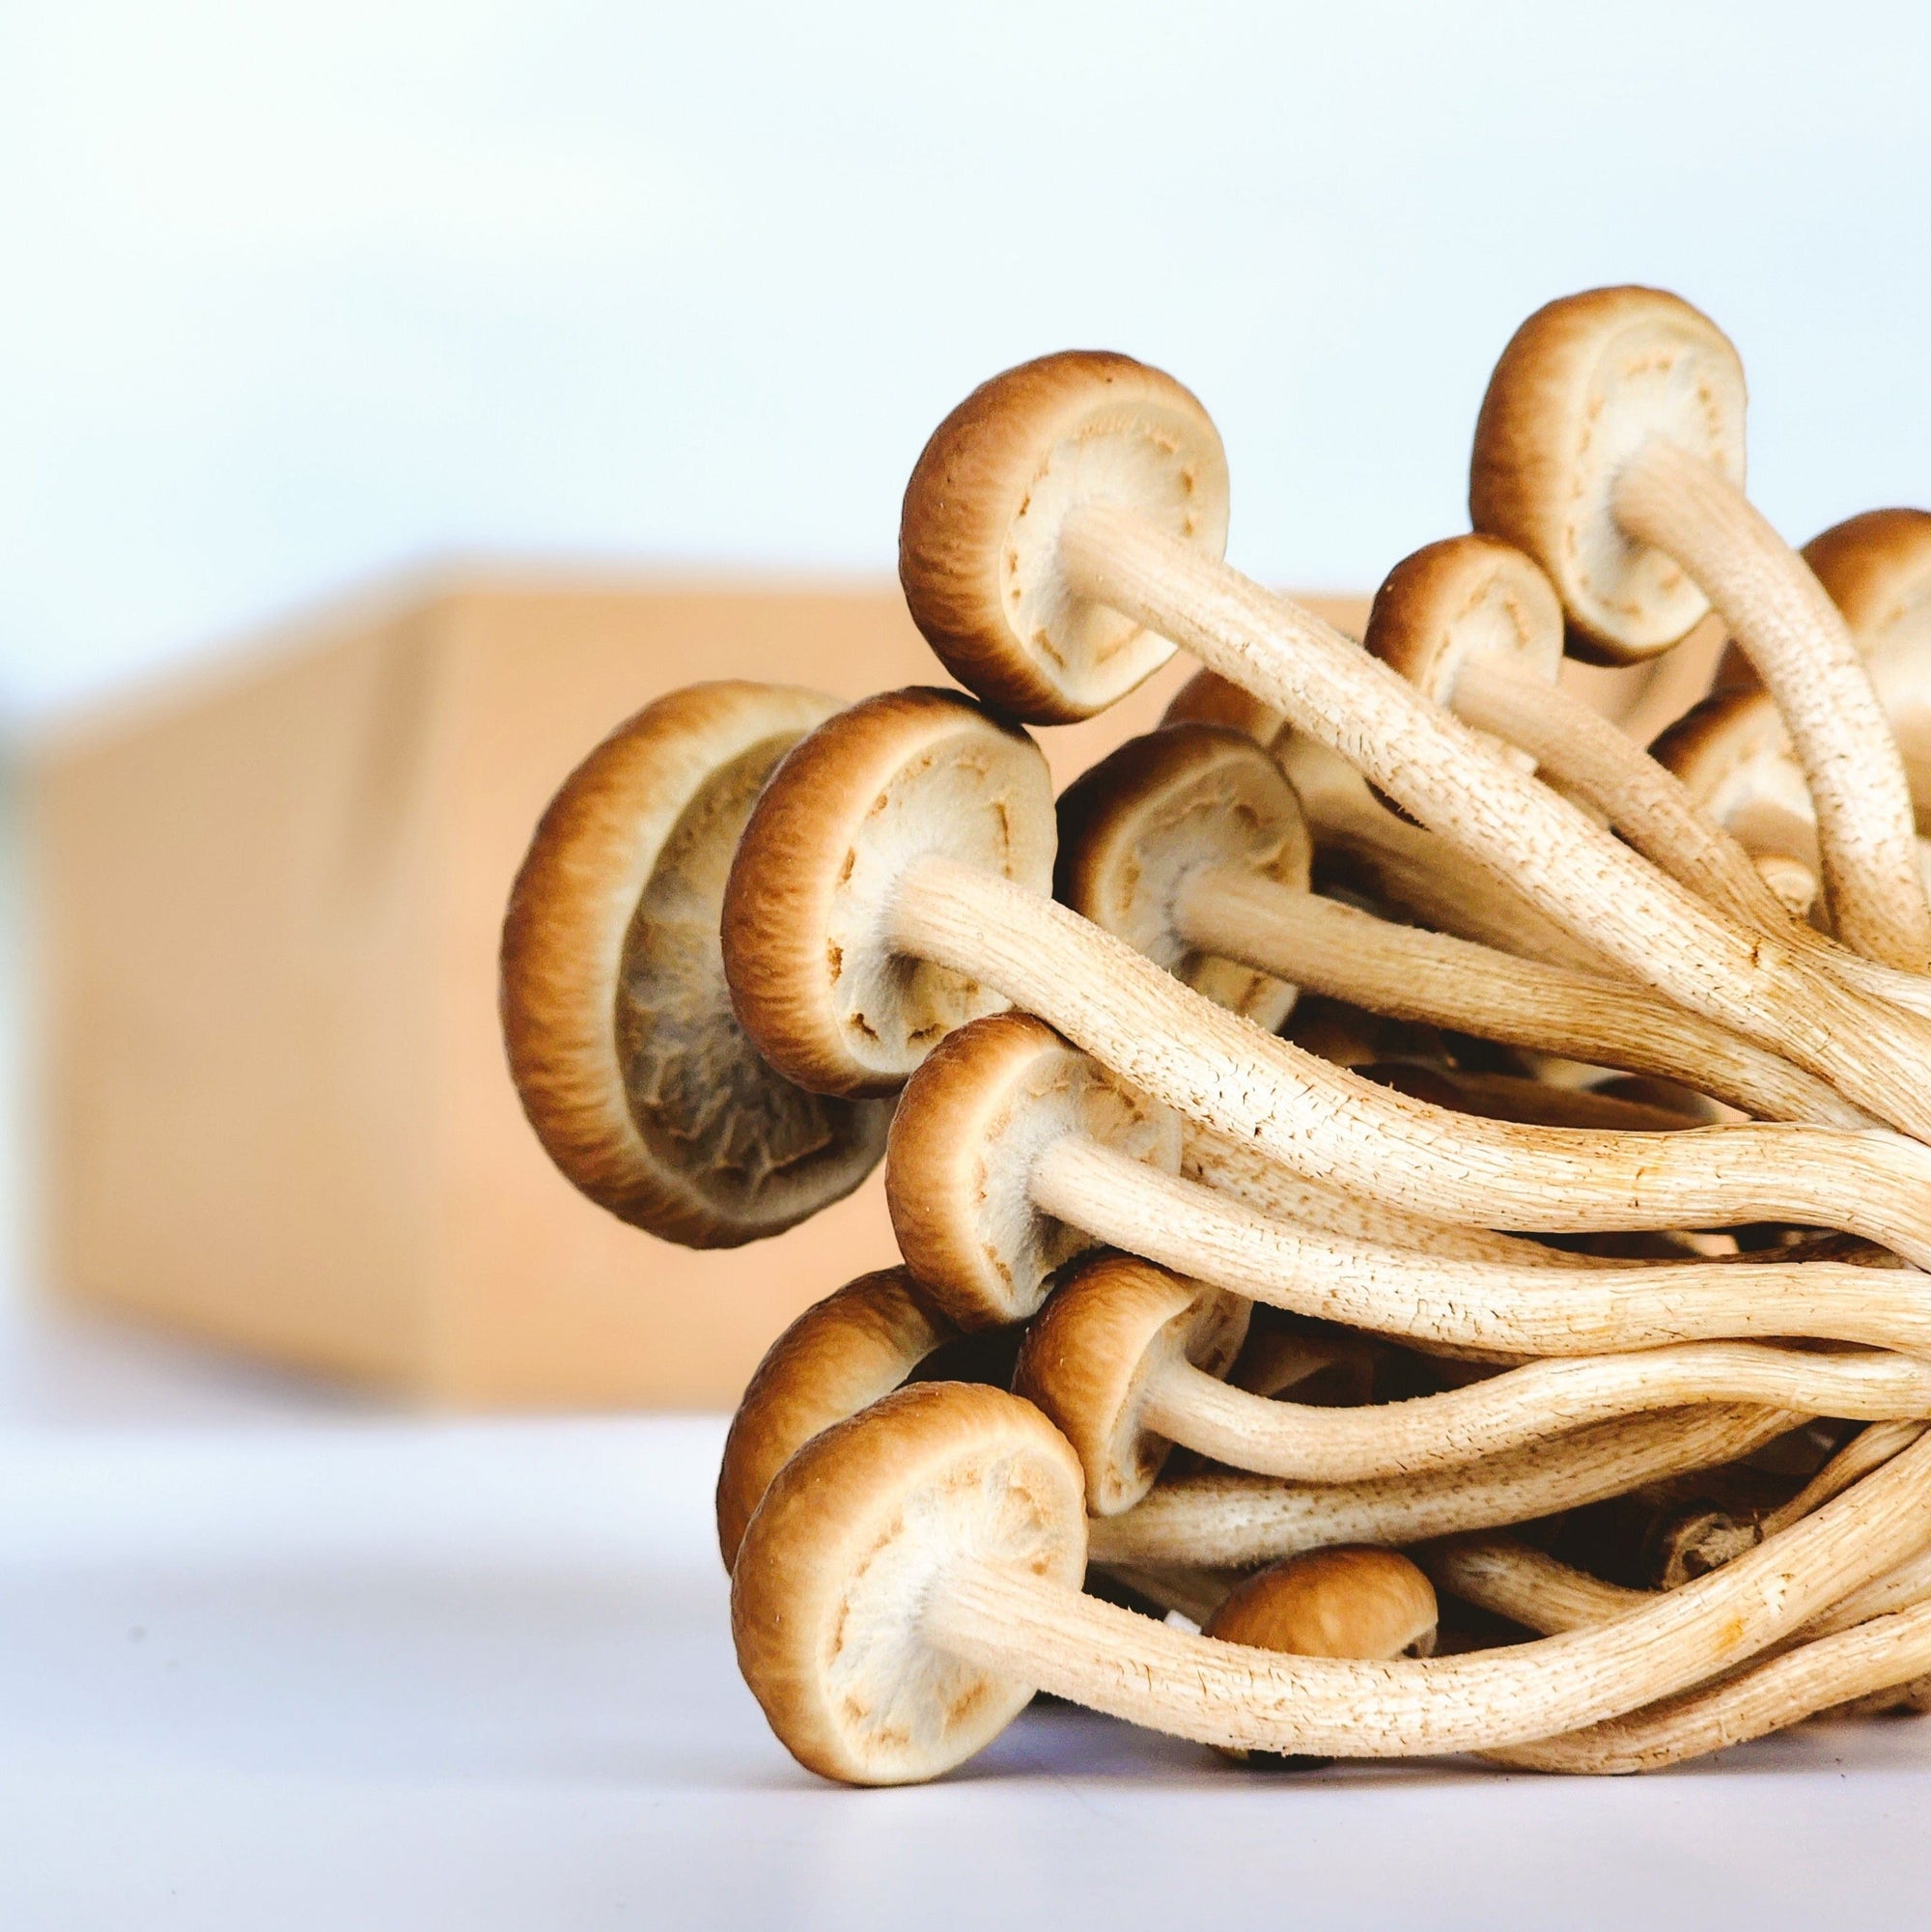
x=293, y=293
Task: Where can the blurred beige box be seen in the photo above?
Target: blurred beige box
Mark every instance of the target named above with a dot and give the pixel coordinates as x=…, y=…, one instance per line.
x=277, y=1114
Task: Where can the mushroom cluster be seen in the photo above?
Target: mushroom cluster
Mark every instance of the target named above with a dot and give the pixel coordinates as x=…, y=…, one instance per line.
x=1412, y=1203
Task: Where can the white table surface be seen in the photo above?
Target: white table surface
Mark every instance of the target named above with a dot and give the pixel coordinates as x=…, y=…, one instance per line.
x=269, y=1662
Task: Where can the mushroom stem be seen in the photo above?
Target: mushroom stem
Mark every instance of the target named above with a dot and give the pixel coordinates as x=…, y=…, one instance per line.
x=1769, y=1696
x=1497, y=1574
x=1235, y=1521
x=1417, y=869
x=1868, y=1450
x=1431, y=763
x=1507, y=1306
x=1793, y=634
x=1608, y=770
x=1227, y=1694
x=1232, y=1168
x=1408, y=973
x=1222, y=1071
x=1508, y=1412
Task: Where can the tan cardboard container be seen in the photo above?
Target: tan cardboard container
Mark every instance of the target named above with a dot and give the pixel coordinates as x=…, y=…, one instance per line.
x=277, y=1116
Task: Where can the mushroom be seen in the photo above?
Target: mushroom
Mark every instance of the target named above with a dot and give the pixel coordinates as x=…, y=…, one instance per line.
x=1351, y=1601
x=1127, y=1359
x=913, y=1575
x=630, y=1066
x=993, y=1182
x=1402, y=864
x=1375, y=850
x=1188, y=844
x=1065, y=522
x=890, y=886
x=1611, y=448
x=1731, y=754
x=840, y=1356
x=1474, y=624
x=1876, y=568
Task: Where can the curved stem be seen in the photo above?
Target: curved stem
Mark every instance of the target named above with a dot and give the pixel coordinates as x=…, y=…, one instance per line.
x=1220, y=1070
x=1233, y=1167
x=1410, y=975
x=1518, y=1310
x=1868, y=1450
x=1405, y=865
x=1767, y=1696
x=1232, y=1696
x=1526, y=1405
x=1645, y=801
x=1575, y=871
x=1788, y=628
x=1496, y=1573
x=1233, y=1521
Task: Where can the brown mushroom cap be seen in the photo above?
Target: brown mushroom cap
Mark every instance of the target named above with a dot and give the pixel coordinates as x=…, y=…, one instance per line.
x=1733, y=755
x=979, y=533
x=1467, y=597
x=1092, y=1351
x=1877, y=569
x=872, y=790
x=1350, y=1601
x=970, y=1125
x=630, y=1063
x=1133, y=827
x=1207, y=698
x=1581, y=385
x=856, y=1531
x=839, y=1356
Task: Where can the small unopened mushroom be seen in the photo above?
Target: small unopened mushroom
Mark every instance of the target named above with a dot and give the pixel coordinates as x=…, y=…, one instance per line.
x=989, y=1166
x=840, y=1356
x=1069, y=515
x=1129, y=1359
x=1731, y=754
x=631, y=1068
x=890, y=884
x=1189, y=843
x=1352, y=1601
x=912, y=1576
x=1611, y=448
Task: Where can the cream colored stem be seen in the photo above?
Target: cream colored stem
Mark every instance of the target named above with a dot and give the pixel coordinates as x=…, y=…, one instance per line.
x=1868, y=1450
x=1407, y=866
x=1578, y=873
x=1791, y=632
x=1489, y=1305
x=1645, y=801
x=1233, y=1521
x=1410, y=975
x=1508, y=1578
x=1243, y=1698
x=1531, y=1404
x=1233, y=1168
x=1223, y=1071
x=1767, y=1696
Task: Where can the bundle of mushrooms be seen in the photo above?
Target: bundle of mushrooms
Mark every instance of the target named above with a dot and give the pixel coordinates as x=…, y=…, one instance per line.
x=1412, y=1203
